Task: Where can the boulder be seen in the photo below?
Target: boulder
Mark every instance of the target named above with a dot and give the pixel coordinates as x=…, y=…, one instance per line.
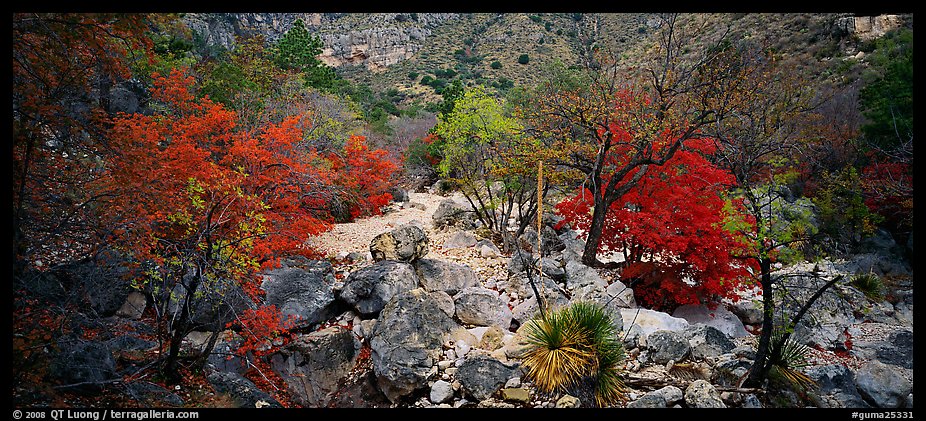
x=649, y=400
x=451, y=213
x=101, y=281
x=86, y=364
x=516, y=394
x=224, y=356
x=719, y=318
x=312, y=364
x=488, y=249
x=882, y=385
x=242, y=391
x=441, y=275
x=399, y=195
x=441, y=392
x=406, y=243
x=459, y=240
x=701, y=394
x=481, y=376
x=568, y=401
x=151, y=395
x=407, y=342
x=214, y=304
x=528, y=309
x=519, y=260
x=134, y=306
x=649, y=321
x=369, y=289
x=445, y=302
x=579, y=275
x=550, y=241
x=895, y=349
x=666, y=345
x=825, y=322
x=671, y=394
x=837, y=382
x=707, y=341
x=748, y=310
x=306, y=293
x=520, y=285
x=482, y=307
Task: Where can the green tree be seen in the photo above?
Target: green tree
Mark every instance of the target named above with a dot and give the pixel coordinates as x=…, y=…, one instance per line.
x=298, y=50
x=524, y=59
x=496, y=64
x=887, y=99
x=487, y=155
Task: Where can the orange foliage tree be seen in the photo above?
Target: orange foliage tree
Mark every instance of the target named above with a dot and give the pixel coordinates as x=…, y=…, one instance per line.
x=198, y=203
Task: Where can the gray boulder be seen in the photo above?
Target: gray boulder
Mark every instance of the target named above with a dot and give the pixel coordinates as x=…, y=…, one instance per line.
x=550, y=241
x=85, y=364
x=134, y=306
x=883, y=385
x=151, y=395
x=707, y=341
x=103, y=281
x=666, y=345
x=649, y=400
x=452, y=213
x=407, y=342
x=224, y=356
x=312, y=364
x=399, y=194
x=749, y=310
x=460, y=239
x=404, y=244
x=441, y=275
x=579, y=275
x=837, y=382
x=214, y=304
x=701, y=394
x=242, y=391
x=528, y=309
x=481, y=376
x=306, y=293
x=369, y=289
x=720, y=318
x=482, y=307
x=441, y=392
x=895, y=349
x=649, y=321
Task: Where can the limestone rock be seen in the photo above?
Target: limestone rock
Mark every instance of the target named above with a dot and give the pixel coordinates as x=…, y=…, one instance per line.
x=405, y=244
x=701, y=394
x=312, y=364
x=441, y=275
x=482, y=306
x=370, y=288
x=481, y=376
x=306, y=293
x=667, y=345
x=407, y=342
x=719, y=318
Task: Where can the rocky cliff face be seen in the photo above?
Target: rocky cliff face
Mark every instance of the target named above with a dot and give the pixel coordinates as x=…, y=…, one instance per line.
x=375, y=40
x=870, y=27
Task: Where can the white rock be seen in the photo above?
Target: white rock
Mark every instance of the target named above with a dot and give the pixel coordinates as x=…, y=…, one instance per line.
x=513, y=382
x=441, y=392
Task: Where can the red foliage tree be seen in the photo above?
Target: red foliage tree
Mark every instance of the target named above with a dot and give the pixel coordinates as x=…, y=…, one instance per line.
x=362, y=177
x=672, y=229
x=197, y=201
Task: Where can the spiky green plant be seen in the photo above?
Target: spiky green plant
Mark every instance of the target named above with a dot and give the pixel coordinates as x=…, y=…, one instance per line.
x=787, y=357
x=870, y=284
x=572, y=345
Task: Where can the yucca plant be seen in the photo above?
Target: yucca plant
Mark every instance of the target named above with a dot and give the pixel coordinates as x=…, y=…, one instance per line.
x=870, y=284
x=787, y=357
x=576, y=345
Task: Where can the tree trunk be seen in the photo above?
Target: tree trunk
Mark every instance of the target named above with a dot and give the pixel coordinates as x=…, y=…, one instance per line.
x=760, y=367
x=590, y=254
